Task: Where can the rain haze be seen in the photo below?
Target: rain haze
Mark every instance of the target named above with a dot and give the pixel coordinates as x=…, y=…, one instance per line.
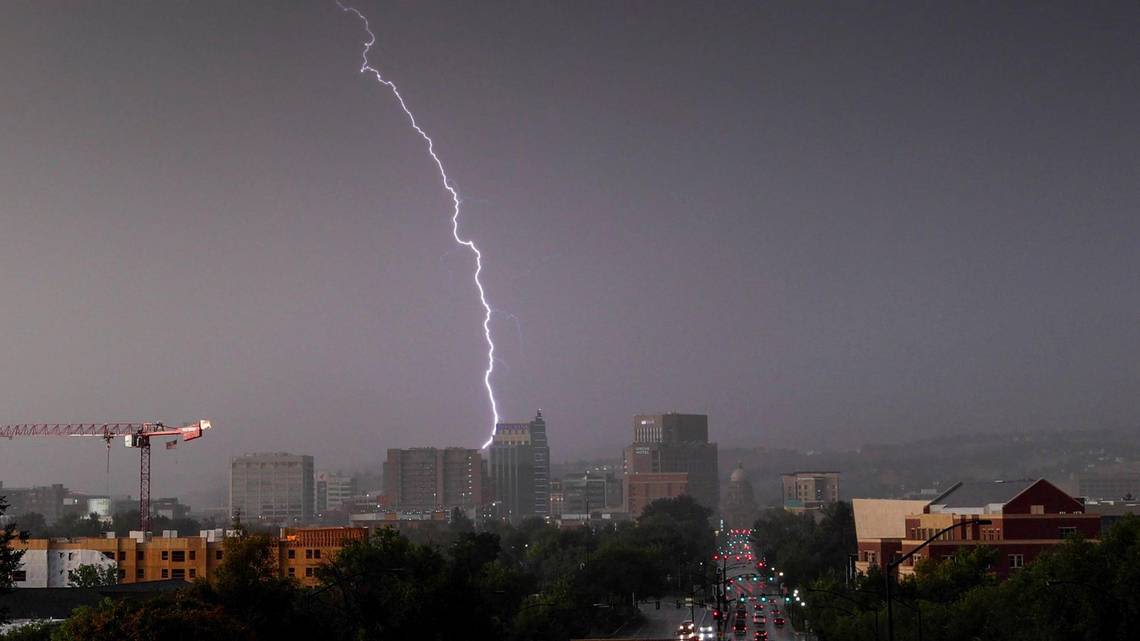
x=820, y=226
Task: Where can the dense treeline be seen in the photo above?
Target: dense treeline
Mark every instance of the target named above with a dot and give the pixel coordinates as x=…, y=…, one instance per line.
x=1080, y=590
x=803, y=546
x=72, y=525
x=530, y=582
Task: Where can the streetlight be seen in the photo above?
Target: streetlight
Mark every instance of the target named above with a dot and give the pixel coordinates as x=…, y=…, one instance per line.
x=893, y=565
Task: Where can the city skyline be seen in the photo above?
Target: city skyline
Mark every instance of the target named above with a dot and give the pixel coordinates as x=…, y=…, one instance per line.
x=813, y=225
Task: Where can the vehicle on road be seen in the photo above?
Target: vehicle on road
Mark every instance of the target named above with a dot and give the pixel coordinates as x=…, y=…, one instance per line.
x=779, y=621
x=760, y=635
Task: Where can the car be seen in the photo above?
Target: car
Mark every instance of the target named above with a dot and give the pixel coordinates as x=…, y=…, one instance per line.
x=760, y=620
x=760, y=635
x=779, y=621
x=686, y=629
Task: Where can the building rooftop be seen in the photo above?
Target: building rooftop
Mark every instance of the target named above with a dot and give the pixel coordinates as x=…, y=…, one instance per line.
x=979, y=494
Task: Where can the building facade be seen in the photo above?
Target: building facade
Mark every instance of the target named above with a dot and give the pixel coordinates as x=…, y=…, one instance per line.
x=804, y=491
x=739, y=503
x=272, y=488
x=676, y=443
x=138, y=558
x=590, y=492
x=47, y=500
x=520, y=468
x=1025, y=518
x=643, y=488
x=429, y=478
x=332, y=489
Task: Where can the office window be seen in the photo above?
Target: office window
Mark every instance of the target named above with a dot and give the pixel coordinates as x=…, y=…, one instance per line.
x=122, y=555
x=193, y=555
x=292, y=571
x=218, y=555
x=309, y=571
x=1066, y=532
x=139, y=555
x=316, y=554
x=1036, y=509
x=292, y=554
x=193, y=573
x=20, y=575
x=1016, y=561
x=165, y=573
x=178, y=556
x=308, y=554
x=140, y=574
x=178, y=573
x=165, y=555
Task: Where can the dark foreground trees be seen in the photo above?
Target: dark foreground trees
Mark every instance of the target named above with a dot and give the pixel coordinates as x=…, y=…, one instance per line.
x=533, y=582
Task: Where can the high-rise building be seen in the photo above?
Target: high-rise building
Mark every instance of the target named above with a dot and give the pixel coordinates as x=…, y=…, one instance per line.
x=676, y=443
x=272, y=487
x=332, y=489
x=805, y=491
x=520, y=468
x=428, y=478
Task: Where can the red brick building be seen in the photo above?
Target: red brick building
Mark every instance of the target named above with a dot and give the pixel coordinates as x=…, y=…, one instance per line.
x=1027, y=518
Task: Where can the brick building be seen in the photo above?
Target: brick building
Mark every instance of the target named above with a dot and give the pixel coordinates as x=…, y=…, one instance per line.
x=643, y=488
x=1027, y=517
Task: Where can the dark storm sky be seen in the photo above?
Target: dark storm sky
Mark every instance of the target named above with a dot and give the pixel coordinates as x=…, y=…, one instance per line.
x=844, y=223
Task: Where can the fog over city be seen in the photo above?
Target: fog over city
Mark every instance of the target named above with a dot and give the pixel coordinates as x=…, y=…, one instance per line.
x=820, y=226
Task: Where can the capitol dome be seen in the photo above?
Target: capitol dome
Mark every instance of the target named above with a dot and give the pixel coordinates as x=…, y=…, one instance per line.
x=738, y=475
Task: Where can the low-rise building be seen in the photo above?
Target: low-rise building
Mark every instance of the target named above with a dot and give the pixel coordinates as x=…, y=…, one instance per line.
x=1025, y=518
x=142, y=558
x=806, y=491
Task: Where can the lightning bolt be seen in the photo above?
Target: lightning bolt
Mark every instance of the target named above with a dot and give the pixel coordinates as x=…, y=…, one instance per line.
x=366, y=67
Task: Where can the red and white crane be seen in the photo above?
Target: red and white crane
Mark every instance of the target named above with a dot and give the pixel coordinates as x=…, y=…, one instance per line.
x=134, y=435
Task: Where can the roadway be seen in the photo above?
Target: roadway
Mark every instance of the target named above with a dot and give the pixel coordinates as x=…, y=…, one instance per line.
x=663, y=623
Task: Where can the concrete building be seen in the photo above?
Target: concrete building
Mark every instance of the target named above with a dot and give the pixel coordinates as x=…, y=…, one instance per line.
x=47, y=500
x=429, y=478
x=676, y=443
x=1026, y=517
x=880, y=527
x=643, y=488
x=272, y=488
x=590, y=492
x=520, y=469
x=804, y=491
x=739, y=503
x=332, y=489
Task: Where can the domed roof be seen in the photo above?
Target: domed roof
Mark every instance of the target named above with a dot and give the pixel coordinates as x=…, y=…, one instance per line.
x=738, y=475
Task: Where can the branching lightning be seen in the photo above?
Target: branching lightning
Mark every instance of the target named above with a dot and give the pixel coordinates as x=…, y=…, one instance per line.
x=367, y=67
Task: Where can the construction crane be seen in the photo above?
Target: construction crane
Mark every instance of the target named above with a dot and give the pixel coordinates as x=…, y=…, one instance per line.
x=134, y=435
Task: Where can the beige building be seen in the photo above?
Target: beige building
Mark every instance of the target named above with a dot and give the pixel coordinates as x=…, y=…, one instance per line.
x=879, y=520
x=805, y=491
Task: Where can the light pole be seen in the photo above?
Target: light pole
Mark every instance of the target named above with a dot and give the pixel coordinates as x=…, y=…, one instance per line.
x=893, y=565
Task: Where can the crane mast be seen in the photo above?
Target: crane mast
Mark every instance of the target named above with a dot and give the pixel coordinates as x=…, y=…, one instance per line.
x=136, y=435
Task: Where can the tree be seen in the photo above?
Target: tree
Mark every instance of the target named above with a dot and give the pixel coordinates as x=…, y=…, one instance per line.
x=33, y=524
x=9, y=557
x=92, y=576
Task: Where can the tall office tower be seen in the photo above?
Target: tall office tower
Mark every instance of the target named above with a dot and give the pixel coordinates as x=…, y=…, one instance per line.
x=429, y=478
x=520, y=468
x=272, y=487
x=674, y=443
x=332, y=490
